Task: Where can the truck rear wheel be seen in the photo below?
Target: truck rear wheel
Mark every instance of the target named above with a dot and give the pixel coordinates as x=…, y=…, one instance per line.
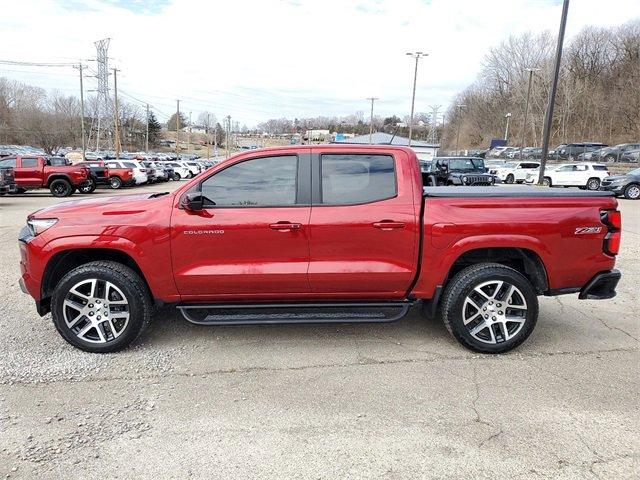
x=61, y=188
x=490, y=308
x=101, y=306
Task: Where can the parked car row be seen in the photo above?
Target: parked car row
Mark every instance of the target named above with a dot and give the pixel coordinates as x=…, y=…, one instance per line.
x=579, y=151
x=63, y=178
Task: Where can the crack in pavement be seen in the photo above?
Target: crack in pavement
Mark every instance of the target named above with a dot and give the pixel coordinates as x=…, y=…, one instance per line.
x=592, y=315
x=368, y=362
x=474, y=406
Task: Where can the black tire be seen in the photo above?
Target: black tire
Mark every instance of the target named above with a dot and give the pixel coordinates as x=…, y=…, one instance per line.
x=632, y=191
x=61, y=188
x=510, y=179
x=546, y=181
x=21, y=190
x=609, y=158
x=593, y=184
x=115, y=182
x=129, y=282
x=87, y=187
x=176, y=176
x=463, y=284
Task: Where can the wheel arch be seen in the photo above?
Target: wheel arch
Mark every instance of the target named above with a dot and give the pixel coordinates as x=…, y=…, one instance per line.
x=64, y=261
x=58, y=176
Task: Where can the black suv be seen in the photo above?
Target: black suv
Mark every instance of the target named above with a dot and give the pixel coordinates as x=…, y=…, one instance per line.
x=456, y=171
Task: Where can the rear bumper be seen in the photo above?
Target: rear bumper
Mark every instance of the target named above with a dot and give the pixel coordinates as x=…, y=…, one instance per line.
x=601, y=287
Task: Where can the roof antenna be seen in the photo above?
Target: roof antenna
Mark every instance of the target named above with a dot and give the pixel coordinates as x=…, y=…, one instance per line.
x=394, y=134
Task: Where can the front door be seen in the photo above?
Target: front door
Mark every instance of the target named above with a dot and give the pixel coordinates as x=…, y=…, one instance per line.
x=251, y=239
x=364, y=224
x=29, y=172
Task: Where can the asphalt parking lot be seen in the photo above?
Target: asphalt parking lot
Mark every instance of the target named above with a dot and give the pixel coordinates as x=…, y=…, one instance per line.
x=393, y=401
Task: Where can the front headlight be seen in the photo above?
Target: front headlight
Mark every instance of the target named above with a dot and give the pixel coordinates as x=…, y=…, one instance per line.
x=464, y=179
x=39, y=225
x=617, y=180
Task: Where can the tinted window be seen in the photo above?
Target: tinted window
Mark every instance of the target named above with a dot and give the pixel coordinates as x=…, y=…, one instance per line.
x=352, y=179
x=267, y=181
x=129, y=165
x=566, y=168
x=465, y=164
x=29, y=162
x=600, y=167
x=9, y=162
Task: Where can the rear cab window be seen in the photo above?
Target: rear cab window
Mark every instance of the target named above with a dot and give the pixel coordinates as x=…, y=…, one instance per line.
x=351, y=179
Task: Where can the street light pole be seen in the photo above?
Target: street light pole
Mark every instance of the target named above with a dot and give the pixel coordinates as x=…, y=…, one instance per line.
x=526, y=109
x=459, y=107
x=506, y=128
x=417, y=56
x=84, y=147
x=548, y=119
x=373, y=99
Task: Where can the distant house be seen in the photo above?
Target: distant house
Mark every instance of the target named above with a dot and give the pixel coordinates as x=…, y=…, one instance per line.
x=424, y=151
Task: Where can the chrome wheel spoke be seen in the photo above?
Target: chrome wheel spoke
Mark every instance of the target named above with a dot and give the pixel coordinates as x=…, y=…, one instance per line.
x=494, y=312
x=97, y=309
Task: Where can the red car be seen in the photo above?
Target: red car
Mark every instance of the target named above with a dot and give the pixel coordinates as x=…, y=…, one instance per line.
x=37, y=172
x=113, y=176
x=325, y=233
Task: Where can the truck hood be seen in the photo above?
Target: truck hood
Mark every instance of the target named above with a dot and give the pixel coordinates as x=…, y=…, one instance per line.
x=121, y=204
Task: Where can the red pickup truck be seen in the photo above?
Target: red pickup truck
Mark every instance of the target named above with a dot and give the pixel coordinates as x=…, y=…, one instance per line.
x=326, y=233
x=37, y=172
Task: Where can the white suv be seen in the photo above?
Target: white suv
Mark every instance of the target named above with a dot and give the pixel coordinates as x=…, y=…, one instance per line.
x=139, y=171
x=516, y=172
x=584, y=175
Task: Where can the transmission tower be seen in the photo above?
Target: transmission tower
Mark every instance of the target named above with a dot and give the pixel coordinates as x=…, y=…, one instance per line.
x=432, y=137
x=104, y=135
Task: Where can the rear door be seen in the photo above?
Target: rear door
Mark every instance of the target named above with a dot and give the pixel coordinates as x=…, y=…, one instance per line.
x=364, y=227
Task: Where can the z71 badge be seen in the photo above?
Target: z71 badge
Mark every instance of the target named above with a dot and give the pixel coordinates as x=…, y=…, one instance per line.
x=585, y=230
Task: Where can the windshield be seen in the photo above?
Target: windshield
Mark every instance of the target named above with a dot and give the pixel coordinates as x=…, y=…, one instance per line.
x=634, y=172
x=466, y=164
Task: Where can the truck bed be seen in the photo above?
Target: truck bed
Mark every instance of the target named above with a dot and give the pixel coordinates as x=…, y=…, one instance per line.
x=471, y=192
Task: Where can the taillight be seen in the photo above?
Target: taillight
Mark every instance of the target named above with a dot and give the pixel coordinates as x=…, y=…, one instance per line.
x=613, y=220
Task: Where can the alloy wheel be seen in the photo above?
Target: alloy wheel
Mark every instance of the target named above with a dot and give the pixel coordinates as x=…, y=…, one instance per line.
x=593, y=184
x=96, y=311
x=494, y=311
x=633, y=192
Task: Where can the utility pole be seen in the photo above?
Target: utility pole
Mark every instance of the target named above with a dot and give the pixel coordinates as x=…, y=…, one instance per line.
x=189, y=135
x=116, y=113
x=207, y=135
x=526, y=109
x=373, y=99
x=548, y=119
x=506, y=128
x=459, y=107
x=228, y=144
x=84, y=147
x=177, y=129
x=417, y=56
x=146, y=135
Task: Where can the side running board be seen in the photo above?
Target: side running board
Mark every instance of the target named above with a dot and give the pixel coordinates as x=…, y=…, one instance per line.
x=283, y=313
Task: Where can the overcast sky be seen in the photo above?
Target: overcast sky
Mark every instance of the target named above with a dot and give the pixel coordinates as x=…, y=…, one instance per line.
x=263, y=59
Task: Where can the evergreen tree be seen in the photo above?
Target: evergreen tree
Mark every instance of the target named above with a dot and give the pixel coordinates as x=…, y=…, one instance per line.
x=154, y=129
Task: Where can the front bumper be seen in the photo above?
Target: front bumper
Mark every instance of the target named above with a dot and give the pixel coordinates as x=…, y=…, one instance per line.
x=601, y=287
x=613, y=187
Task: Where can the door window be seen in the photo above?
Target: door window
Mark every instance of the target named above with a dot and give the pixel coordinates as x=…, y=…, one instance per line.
x=29, y=162
x=8, y=163
x=260, y=182
x=356, y=179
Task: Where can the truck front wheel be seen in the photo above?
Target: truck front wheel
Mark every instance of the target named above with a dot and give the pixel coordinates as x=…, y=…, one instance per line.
x=490, y=308
x=61, y=188
x=101, y=306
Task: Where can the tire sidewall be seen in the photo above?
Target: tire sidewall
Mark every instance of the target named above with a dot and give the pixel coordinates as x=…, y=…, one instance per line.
x=116, y=181
x=593, y=180
x=131, y=292
x=460, y=331
x=628, y=189
x=68, y=191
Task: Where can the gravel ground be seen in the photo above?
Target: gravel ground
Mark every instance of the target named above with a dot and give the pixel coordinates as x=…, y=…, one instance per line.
x=402, y=400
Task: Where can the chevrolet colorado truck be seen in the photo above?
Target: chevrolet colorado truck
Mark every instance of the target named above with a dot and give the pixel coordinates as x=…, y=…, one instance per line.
x=37, y=172
x=323, y=233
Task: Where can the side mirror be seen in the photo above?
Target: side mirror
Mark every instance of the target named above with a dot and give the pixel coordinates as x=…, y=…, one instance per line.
x=192, y=202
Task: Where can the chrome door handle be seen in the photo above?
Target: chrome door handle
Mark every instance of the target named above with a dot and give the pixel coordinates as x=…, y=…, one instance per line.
x=285, y=226
x=388, y=225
